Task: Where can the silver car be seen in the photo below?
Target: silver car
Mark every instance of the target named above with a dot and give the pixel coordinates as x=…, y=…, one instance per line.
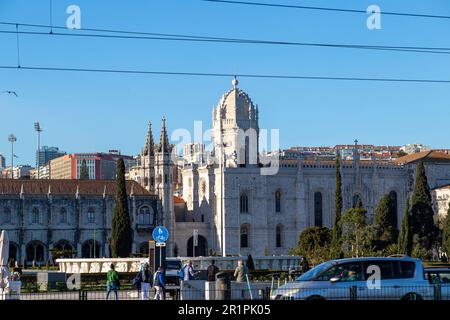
x=374, y=278
x=440, y=278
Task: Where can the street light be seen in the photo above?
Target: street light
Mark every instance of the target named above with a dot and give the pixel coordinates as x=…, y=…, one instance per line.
x=12, y=138
x=38, y=129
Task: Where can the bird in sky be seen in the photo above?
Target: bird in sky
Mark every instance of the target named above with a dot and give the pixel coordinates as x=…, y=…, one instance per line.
x=10, y=92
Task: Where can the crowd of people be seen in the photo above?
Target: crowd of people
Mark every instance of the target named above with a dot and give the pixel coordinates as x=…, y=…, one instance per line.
x=145, y=280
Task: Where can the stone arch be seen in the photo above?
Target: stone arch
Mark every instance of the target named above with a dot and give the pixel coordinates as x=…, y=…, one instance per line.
x=244, y=236
x=35, y=251
x=145, y=215
x=90, y=249
x=243, y=203
x=35, y=215
x=279, y=236
x=13, y=251
x=318, y=209
x=200, y=250
x=63, y=217
x=278, y=200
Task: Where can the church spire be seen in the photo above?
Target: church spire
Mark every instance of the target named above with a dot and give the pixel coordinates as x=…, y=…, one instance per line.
x=149, y=148
x=164, y=145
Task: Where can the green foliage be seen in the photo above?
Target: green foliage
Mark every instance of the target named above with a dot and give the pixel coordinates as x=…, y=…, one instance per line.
x=84, y=172
x=314, y=243
x=122, y=237
x=336, y=250
x=356, y=234
x=422, y=222
x=384, y=232
x=446, y=234
x=405, y=237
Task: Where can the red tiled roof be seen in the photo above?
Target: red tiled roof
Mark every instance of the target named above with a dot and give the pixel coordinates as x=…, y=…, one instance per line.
x=67, y=187
x=431, y=155
x=178, y=200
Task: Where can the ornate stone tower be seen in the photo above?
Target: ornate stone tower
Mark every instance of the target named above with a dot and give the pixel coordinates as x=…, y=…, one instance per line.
x=235, y=125
x=148, y=161
x=164, y=185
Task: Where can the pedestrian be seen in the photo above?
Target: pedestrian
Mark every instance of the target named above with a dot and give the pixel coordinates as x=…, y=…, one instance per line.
x=241, y=272
x=159, y=283
x=112, y=282
x=304, y=265
x=188, y=271
x=212, y=271
x=143, y=281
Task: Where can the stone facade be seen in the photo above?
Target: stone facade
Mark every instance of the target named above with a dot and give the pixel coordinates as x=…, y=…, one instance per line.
x=258, y=213
x=40, y=215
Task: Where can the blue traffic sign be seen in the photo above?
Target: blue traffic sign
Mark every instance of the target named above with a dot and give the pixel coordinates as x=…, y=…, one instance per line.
x=160, y=234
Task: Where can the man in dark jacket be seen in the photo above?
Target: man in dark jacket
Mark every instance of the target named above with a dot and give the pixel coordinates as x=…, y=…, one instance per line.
x=144, y=281
x=212, y=271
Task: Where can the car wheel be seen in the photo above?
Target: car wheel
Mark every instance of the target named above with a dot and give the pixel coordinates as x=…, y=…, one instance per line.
x=315, y=298
x=412, y=296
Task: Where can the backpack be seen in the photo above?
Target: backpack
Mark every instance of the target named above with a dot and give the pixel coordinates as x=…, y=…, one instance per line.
x=181, y=272
x=137, y=280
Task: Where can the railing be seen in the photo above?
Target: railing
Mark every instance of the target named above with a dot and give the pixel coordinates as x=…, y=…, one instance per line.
x=429, y=292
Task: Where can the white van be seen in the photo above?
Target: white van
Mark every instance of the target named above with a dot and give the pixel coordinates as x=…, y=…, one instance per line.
x=374, y=278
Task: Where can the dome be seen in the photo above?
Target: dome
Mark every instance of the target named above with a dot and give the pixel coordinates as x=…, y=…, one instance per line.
x=236, y=104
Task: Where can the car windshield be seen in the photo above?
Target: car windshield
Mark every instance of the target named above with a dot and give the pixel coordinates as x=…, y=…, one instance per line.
x=173, y=265
x=314, y=272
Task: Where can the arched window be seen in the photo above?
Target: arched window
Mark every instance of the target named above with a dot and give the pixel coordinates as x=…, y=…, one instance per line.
x=90, y=249
x=244, y=236
x=91, y=215
x=35, y=251
x=278, y=201
x=279, y=236
x=145, y=216
x=35, y=217
x=318, y=209
x=63, y=215
x=244, y=203
x=393, y=209
x=6, y=215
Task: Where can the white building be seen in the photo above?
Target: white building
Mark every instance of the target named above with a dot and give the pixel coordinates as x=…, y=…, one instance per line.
x=241, y=209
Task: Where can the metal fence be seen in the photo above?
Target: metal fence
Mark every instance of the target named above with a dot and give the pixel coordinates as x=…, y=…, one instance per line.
x=430, y=292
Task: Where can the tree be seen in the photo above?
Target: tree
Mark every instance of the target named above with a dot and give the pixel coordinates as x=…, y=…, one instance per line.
x=84, y=172
x=250, y=264
x=122, y=237
x=337, y=231
x=356, y=234
x=383, y=224
x=446, y=234
x=314, y=243
x=422, y=222
x=405, y=237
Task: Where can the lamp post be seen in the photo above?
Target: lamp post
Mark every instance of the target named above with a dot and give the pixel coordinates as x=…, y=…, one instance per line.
x=38, y=129
x=12, y=138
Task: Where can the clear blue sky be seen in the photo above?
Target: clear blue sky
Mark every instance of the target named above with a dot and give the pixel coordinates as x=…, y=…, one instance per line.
x=82, y=112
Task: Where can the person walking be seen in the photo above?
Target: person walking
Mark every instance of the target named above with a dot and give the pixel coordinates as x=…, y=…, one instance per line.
x=159, y=283
x=304, y=265
x=143, y=281
x=212, y=271
x=241, y=272
x=112, y=282
x=188, y=271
